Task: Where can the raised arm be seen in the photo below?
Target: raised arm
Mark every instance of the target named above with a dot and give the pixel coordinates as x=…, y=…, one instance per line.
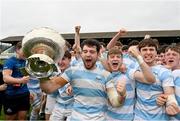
x=145, y=75
x=77, y=35
x=116, y=38
x=77, y=38
x=76, y=46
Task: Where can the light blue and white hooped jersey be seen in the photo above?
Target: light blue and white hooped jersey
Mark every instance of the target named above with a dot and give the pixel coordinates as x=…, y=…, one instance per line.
x=55, y=73
x=146, y=107
x=126, y=111
x=34, y=85
x=130, y=62
x=76, y=61
x=89, y=90
x=176, y=75
x=63, y=100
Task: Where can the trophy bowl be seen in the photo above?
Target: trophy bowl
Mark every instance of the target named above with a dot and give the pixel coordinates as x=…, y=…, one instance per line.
x=42, y=47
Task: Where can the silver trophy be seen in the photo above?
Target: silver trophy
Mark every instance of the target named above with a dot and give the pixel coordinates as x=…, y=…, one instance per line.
x=42, y=47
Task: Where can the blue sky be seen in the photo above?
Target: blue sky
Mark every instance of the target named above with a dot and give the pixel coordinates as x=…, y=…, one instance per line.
x=20, y=16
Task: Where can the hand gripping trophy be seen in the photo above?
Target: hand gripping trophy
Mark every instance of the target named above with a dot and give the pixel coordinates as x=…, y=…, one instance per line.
x=42, y=47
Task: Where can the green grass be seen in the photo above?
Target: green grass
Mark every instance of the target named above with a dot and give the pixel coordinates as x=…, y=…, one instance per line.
x=2, y=116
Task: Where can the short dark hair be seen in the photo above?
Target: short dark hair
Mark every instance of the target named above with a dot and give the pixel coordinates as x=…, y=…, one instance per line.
x=103, y=44
x=125, y=47
x=18, y=46
x=147, y=42
x=67, y=54
x=133, y=43
x=162, y=48
x=91, y=42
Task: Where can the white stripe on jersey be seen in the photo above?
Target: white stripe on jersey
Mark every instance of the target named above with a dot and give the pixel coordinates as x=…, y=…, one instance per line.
x=92, y=84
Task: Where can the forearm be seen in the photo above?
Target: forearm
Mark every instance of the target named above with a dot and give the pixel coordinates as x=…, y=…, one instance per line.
x=77, y=39
x=47, y=87
x=7, y=77
x=115, y=98
x=169, y=91
x=11, y=80
x=113, y=41
x=77, y=47
x=147, y=73
x=77, y=36
x=52, y=85
x=172, y=107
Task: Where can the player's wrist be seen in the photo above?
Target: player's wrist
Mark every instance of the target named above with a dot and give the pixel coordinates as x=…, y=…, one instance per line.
x=140, y=59
x=171, y=99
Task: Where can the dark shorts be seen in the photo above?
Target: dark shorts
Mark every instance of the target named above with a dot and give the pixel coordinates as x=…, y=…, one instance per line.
x=1, y=102
x=14, y=104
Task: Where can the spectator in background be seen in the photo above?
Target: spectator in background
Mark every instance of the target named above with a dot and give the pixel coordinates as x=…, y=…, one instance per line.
x=125, y=49
x=103, y=47
x=103, y=52
x=161, y=55
x=17, y=94
x=133, y=43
